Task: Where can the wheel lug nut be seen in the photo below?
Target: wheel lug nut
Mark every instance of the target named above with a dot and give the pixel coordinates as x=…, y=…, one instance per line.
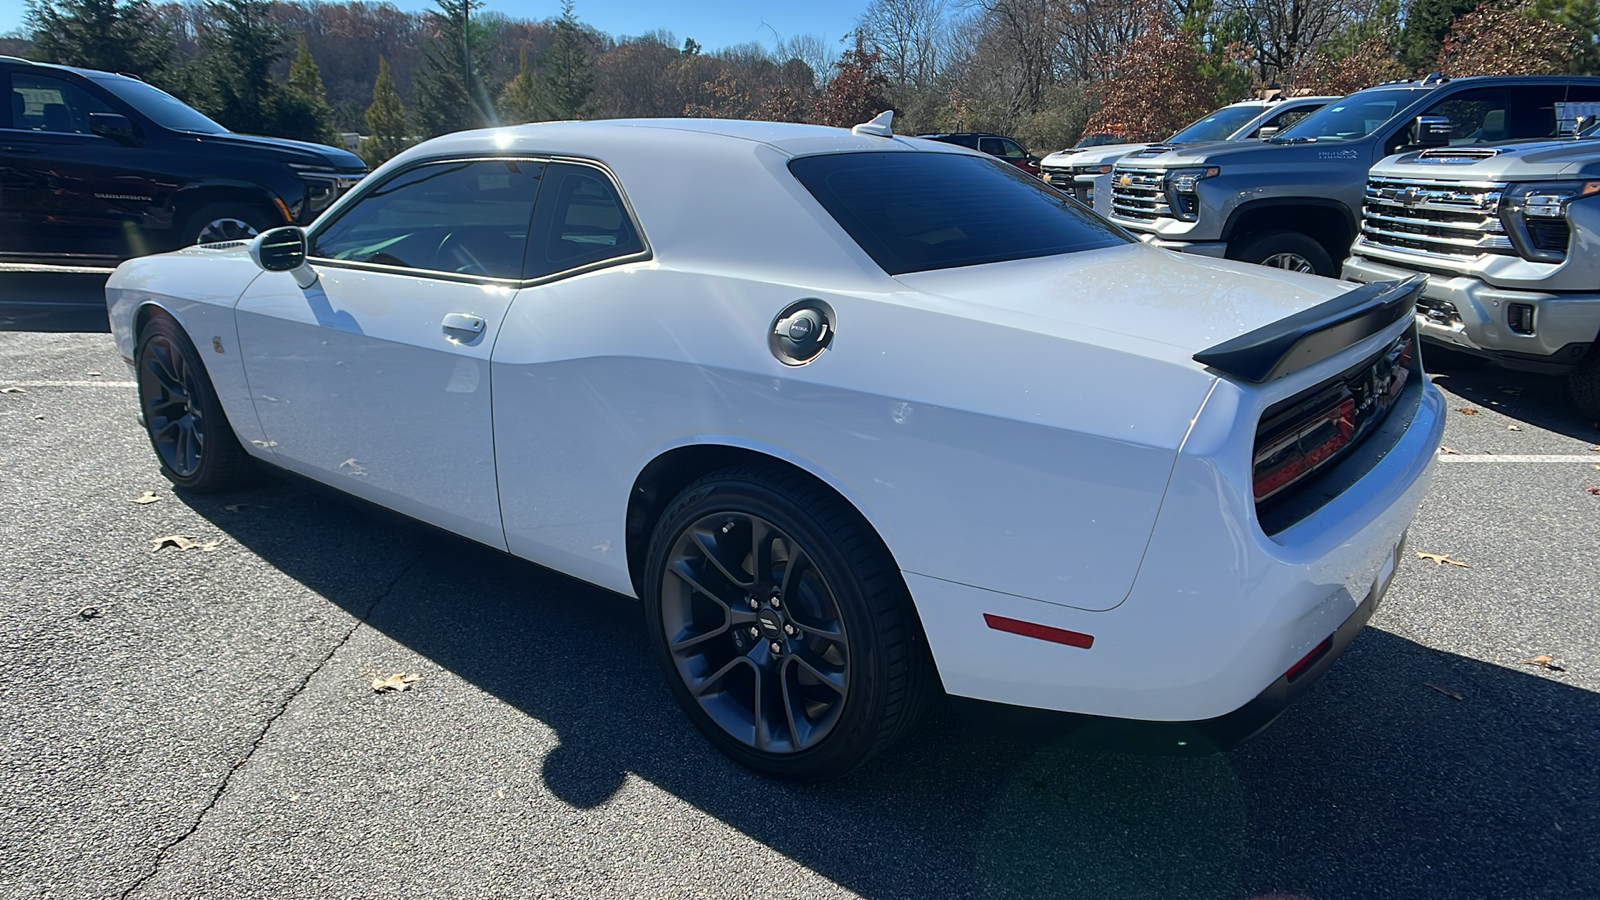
x=777, y=603
x=789, y=630
x=755, y=632
x=754, y=603
x=777, y=647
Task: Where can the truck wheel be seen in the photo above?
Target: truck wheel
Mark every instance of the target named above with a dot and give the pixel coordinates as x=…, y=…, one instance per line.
x=1284, y=250
x=1583, y=384
x=782, y=624
x=220, y=222
x=190, y=433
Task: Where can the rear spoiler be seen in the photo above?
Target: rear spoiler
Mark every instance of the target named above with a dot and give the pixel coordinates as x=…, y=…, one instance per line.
x=1312, y=335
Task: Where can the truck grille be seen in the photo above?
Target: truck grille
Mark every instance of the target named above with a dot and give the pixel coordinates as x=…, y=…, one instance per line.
x=1139, y=194
x=1457, y=220
x=1062, y=179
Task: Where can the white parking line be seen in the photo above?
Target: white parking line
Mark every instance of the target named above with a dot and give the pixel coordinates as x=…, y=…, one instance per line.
x=1519, y=458
x=98, y=382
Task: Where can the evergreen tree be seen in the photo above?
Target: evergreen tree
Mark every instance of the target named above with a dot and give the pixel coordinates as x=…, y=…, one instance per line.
x=233, y=81
x=305, y=84
x=1427, y=22
x=112, y=35
x=386, y=120
x=568, y=71
x=450, y=92
x=523, y=99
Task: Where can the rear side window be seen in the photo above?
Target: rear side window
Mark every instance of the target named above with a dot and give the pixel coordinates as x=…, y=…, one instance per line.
x=581, y=221
x=912, y=212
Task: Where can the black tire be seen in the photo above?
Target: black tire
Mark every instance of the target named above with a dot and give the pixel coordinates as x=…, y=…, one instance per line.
x=1583, y=385
x=218, y=222
x=188, y=430
x=1281, y=249
x=859, y=679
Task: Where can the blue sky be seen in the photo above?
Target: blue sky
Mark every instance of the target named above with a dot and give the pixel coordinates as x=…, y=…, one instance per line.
x=714, y=23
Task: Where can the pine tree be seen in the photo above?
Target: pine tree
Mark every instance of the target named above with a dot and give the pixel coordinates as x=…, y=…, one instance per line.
x=113, y=36
x=233, y=80
x=305, y=83
x=450, y=92
x=386, y=120
x=1427, y=22
x=568, y=71
x=523, y=98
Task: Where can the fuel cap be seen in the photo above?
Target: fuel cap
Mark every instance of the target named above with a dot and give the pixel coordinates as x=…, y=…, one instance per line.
x=801, y=332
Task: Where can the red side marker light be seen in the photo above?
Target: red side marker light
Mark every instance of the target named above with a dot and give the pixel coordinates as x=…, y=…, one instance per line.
x=1042, y=632
x=1305, y=662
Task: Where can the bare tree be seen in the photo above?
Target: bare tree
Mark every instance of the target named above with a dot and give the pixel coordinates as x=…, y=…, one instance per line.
x=909, y=36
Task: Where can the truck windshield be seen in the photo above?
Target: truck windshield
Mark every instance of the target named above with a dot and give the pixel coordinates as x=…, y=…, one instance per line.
x=1350, y=119
x=1217, y=126
x=912, y=212
x=162, y=108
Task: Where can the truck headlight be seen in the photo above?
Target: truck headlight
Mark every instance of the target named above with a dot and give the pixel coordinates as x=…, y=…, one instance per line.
x=1182, y=185
x=1534, y=215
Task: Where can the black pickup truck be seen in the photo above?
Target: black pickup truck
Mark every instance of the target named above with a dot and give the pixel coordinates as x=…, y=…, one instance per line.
x=97, y=167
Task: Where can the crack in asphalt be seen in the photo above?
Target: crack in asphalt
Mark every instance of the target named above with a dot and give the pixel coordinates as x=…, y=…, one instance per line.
x=266, y=727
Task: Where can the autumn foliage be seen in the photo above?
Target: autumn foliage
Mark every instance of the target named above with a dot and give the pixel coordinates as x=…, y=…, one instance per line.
x=1505, y=38
x=1155, y=84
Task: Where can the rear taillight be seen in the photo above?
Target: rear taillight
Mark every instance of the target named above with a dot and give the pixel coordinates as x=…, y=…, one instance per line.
x=1303, y=445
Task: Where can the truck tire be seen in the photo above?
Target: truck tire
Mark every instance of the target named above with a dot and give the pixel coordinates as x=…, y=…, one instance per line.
x=1284, y=250
x=218, y=222
x=1583, y=384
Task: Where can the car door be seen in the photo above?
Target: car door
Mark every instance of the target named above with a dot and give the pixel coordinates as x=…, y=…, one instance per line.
x=376, y=378
x=67, y=190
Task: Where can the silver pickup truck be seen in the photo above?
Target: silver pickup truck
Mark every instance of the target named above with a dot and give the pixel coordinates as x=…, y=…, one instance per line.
x=1509, y=237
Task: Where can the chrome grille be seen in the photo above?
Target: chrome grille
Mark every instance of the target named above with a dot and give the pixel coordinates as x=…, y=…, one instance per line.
x=1139, y=194
x=1458, y=220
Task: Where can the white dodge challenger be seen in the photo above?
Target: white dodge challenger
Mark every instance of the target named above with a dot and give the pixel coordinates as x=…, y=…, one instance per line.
x=859, y=418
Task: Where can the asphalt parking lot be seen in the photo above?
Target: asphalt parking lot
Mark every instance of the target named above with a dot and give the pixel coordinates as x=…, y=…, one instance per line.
x=202, y=723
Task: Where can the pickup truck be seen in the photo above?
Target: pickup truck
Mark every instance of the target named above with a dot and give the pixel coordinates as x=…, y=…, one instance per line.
x=1507, y=236
x=1294, y=201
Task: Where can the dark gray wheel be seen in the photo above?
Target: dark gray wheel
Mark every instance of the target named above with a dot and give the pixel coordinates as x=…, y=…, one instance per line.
x=221, y=222
x=1583, y=384
x=1289, y=250
x=191, y=436
x=782, y=624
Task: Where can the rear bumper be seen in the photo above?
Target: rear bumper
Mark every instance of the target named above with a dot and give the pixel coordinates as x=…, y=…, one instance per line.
x=1467, y=314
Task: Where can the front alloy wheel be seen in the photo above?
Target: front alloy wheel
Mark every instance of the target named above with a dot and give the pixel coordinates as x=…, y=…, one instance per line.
x=782, y=624
x=190, y=433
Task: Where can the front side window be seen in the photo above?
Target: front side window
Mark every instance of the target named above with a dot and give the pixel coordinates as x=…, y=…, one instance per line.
x=42, y=103
x=912, y=212
x=465, y=217
x=581, y=221
x=1490, y=115
x=1285, y=119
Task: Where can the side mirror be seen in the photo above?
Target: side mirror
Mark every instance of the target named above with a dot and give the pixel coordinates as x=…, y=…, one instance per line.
x=1582, y=124
x=283, y=250
x=1432, y=131
x=1266, y=131
x=114, y=126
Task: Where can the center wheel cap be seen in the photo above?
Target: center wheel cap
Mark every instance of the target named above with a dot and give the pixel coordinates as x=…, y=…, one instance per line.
x=771, y=624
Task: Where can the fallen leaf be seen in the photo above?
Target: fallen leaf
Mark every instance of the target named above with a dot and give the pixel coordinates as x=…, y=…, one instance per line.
x=1444, y=449
x=1595, y=491
x=94, y=374
x=1513, y=427
x=208, y=546
x=235, y=507
x=1544, y=661
x=1467, y=411
x=396, y=682
x=1442, y=559
x=173, y=540
x=89, y=612
x=1513, y=391
x=12, y=390
x=1447, y=693
x=146, y=498
x=1595, y=449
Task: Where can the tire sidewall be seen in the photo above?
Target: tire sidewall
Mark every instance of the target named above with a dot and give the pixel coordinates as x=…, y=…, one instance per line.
x=244, y=212
x=1256, y=248
x=853, y=737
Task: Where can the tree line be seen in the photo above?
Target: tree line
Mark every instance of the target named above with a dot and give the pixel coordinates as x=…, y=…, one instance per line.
x=1044, y=71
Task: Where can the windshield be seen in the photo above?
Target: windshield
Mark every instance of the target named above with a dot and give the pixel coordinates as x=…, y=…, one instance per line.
x=1098, y=140
x=162, y=108
x=912, y=212
x=1217, y=126
x=1351, y=118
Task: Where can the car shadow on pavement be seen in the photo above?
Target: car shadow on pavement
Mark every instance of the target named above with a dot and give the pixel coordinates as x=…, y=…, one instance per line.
x=1407, y=772
x=1539, y=400
x=53, y=302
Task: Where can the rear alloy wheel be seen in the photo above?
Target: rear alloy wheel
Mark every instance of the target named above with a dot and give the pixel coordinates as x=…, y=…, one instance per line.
x=188, y=430
x=782, y=624
x=1288, y=250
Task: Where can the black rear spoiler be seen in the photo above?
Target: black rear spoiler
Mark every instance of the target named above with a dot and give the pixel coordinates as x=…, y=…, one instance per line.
x=1312, y=335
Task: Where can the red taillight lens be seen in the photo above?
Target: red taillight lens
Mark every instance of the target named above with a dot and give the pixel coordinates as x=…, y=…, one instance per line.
x=1306, y=445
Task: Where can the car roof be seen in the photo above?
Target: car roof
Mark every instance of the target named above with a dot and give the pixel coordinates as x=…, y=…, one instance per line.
x=96, y=74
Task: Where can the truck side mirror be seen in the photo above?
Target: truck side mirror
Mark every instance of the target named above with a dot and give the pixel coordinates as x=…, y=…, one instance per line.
x=1432, y=131
x=283, y=250
x=1267, y=131
x=114, y=126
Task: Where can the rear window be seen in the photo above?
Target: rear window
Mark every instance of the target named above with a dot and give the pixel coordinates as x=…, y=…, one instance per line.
x=912, y=212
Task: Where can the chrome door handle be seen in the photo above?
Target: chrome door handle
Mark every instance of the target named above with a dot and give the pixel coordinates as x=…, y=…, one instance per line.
x=461, y=323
